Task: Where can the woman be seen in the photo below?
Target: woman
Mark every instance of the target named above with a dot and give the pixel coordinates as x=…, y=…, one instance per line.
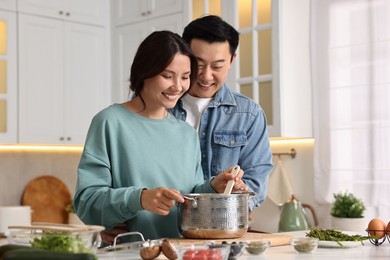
x=138, y=158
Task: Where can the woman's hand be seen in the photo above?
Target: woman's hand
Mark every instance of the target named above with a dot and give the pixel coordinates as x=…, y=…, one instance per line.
x=160, y=200
x=220, y=181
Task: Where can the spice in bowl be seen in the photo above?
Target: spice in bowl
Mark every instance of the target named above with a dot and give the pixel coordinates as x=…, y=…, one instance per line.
x=257, y=248
x=305, y=244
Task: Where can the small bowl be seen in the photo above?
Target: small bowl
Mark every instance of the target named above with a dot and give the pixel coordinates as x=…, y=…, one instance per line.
x=205, y=251
x=236, y=249
x=305, y=244
x=258, y=247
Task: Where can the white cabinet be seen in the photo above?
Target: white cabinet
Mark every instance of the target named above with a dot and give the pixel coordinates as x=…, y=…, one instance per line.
x=292, y=97
x=127, y=39
x=83, y=11
x=129, y=11
x=62, y=79
x=8, y=77
x=134, y=20
x=9, y=5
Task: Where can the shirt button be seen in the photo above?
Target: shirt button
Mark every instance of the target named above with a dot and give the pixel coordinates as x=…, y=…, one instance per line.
x=232, y=142
x=204, y=133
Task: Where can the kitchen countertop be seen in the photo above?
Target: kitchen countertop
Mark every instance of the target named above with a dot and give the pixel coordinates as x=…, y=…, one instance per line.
x=367, y=251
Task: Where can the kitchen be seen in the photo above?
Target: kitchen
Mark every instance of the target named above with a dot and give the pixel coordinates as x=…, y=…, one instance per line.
x=26, y=163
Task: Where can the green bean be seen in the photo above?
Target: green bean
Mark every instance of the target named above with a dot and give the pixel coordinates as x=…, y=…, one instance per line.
x=335, y=235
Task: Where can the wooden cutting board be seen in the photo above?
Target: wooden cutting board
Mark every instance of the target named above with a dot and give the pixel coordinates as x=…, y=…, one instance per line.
x=48, y=197
x=275, y=239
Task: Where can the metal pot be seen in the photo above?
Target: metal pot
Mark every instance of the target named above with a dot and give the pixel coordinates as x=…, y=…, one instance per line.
x=211, y=215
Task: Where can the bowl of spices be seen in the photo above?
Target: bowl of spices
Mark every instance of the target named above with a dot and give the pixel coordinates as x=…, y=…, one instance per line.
x=305, y=244
x=257, y=247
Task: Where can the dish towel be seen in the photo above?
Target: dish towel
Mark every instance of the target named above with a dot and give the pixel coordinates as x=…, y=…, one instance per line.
x=279, y=185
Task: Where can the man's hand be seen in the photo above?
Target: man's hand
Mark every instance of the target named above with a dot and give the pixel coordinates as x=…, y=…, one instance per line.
x=220, y=181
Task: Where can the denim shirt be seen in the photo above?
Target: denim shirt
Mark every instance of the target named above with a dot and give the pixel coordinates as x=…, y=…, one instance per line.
x=233, y=131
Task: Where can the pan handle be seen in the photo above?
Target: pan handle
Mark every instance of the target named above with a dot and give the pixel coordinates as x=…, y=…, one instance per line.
x=127, y=234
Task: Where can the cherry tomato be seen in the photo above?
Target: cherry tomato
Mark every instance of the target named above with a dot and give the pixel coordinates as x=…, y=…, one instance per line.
x=189, y=254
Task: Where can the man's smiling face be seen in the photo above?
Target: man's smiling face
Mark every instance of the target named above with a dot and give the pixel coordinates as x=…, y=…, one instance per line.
x=214, y=61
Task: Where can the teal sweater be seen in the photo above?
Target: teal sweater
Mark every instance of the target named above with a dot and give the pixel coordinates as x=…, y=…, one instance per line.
x=125, y=153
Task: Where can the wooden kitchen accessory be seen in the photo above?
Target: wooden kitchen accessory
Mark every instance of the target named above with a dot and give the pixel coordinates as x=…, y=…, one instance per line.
x=48, y=197
x=275, y=239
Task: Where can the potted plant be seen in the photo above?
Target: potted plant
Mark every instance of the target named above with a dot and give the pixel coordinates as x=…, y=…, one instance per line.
x=72, y=216
x=347, y=212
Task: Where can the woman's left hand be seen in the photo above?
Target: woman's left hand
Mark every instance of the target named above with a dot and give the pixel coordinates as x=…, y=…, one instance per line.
x=220, y=181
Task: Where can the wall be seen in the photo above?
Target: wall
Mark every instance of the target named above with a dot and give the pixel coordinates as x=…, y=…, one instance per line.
x=18, y=167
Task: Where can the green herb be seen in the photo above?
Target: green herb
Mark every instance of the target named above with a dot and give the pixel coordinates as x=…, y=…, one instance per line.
x=335, y=235
x=60, y=242
x=346, y=205
x=305, y=246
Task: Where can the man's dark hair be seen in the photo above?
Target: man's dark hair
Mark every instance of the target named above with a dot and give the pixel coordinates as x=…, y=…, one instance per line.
x=211, y=29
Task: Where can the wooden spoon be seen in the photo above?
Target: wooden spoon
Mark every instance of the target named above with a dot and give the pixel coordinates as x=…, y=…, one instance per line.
x=230, y=184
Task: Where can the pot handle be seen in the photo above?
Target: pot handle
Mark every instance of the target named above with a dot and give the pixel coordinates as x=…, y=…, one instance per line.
x=313, y=213
x=194, y=202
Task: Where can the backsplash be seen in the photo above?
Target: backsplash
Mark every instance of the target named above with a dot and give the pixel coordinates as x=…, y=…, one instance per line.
x=18, y=167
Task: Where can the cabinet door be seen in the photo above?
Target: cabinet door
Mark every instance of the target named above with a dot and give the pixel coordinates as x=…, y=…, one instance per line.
x=85, y=80
x=49, y=8
x=127, y=39
x=40, y=80
x=125, y=11
x=9, y=5
x=84, y=11
x=8, y=85
x=87, y=11
x=126, y=42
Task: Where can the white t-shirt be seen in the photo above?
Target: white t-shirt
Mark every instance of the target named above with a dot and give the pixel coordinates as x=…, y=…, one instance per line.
x=195, y=107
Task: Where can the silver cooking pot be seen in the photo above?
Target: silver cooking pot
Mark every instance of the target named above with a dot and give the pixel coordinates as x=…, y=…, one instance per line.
x=213, y=215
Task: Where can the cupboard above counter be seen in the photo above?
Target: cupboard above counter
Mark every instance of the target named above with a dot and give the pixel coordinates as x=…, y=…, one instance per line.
x=85, y=11
x=63, y=74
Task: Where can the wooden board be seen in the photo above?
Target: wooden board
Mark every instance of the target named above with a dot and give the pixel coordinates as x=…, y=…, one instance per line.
x=48, y=197
x=275, y=239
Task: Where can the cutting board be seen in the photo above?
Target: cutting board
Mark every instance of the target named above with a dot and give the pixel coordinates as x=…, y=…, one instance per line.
x=48, y=197
x=275, y=239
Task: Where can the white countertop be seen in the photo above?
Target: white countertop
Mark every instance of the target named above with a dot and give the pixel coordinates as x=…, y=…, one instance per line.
x=366, y=251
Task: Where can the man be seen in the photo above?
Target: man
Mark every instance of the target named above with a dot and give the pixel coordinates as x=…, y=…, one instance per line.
x=232, y=128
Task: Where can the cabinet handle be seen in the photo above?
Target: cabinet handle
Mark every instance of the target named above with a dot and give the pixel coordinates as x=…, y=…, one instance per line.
x=148, y=12
x=61, y=12
x=69, y=138
x=143, y=13
x=61, y=138
x=67, y=14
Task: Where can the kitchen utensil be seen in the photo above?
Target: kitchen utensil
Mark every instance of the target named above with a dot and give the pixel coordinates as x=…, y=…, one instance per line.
x=217, y=252
x=130, y=245
x=257, y=248
x=48, y=197
x=230, y=184
x=278, y=239
x=305, y=244
x=14, y=215
x=215, y=215
x=293, y=216
x=88, y=235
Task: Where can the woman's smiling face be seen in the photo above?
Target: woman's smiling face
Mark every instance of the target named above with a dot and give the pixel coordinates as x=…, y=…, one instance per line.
x=165, y=89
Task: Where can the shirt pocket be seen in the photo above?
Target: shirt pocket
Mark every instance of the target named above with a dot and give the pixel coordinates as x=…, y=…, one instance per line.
x=226, y=149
